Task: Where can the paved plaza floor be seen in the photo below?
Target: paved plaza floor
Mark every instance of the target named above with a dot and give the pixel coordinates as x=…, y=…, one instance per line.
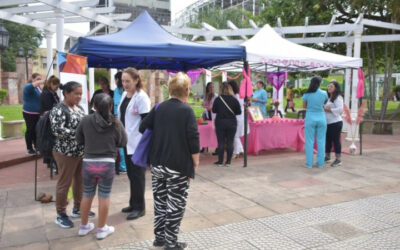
x=274, y=203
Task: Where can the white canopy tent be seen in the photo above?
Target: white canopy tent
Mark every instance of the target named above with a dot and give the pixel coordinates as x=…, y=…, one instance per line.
x=268, y=49
x=268, y=52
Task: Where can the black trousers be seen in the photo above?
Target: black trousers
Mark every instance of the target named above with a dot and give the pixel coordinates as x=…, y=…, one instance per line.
x=30, y=135
x=170, y=191
x=137, y=183
x=287, y=106
x=333, y=136
x=225, y=129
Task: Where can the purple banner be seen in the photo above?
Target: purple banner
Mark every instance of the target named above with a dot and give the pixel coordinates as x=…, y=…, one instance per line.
x=277, y=80
x=193, y=74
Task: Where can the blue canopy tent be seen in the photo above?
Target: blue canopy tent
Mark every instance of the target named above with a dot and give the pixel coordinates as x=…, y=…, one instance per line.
x=144, y=44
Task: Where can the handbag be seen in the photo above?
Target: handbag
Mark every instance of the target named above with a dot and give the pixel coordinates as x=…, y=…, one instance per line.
x=141, y=155
x=222, y=99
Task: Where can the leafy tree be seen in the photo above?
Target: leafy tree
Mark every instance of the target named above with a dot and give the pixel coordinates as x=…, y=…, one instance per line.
x=20, y=36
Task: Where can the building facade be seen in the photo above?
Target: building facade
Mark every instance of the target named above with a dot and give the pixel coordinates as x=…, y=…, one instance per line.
x=190, y=13
x=160, y=10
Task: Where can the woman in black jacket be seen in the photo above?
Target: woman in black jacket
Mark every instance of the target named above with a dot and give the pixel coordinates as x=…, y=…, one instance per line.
x=48, y=99
x=226, y=106
x=174, y=157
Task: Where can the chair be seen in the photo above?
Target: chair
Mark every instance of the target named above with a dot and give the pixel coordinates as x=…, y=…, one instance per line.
x=302, y=114
x=271, y=113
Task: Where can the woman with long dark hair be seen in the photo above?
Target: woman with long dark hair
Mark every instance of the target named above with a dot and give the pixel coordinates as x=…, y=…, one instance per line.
x=315, y=122
x=333, y=110
x=209, y=97
x=101, y=133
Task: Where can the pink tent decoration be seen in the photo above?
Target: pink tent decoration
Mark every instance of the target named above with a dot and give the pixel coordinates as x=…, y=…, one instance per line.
x=277, y=80
x=193, y=74
x=246, y=84
x=360, y=84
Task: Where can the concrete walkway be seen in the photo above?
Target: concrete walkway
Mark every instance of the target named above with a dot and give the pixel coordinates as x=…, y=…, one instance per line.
x=274, y=196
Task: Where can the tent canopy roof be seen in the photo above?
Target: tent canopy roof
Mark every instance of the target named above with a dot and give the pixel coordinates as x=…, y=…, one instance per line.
x=144, y=44
x=269, y=48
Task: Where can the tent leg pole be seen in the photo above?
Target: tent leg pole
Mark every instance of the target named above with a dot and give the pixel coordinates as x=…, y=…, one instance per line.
x=36, y=156
x=246, y=99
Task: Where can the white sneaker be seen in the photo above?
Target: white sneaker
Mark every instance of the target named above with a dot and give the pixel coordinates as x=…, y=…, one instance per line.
x=104, y=232
x=84, y=230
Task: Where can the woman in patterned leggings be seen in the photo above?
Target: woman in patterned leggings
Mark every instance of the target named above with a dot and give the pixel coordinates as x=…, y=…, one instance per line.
x=101, y=133
x=174, y=157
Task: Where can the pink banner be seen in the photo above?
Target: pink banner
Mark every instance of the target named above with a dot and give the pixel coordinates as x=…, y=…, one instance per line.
x=360, y=84
x=246, y=87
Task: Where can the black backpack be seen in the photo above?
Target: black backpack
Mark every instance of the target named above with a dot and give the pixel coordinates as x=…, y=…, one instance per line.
x=45, y=138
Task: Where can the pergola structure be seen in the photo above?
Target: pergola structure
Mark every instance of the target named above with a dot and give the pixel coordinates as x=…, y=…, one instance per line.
x=50, y=16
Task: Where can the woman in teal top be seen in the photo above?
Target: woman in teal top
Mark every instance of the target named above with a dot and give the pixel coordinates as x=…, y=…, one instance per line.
x=260, y=97
x=117, y=99
x=315, y=121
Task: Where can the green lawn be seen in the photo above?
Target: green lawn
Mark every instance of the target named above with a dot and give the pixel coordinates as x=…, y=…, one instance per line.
x=12, y=112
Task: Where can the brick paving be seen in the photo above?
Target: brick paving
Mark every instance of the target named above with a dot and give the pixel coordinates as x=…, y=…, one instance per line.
x=274, y=203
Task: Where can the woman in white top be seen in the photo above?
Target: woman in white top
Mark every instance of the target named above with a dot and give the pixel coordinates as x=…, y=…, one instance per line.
x=134, y=105
x=334, y=109
x=237, y=143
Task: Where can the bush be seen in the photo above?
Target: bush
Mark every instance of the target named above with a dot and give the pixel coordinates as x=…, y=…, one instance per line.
x=396, y=88
x=303, y=90
x=269, y=89
x=3, y=94
x=296, y=91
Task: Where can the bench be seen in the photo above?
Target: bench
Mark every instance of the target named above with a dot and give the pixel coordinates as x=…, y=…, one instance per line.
x=12, y=128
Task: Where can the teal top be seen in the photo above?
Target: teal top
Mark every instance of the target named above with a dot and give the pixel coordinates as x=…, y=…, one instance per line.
x=315, y=101
x=117, y=98
x=262, y=99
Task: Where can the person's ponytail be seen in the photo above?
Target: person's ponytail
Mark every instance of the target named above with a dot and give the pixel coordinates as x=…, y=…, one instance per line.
x=103, y=104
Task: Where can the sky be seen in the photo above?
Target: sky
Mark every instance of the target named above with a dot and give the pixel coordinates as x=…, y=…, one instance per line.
x=176, y=6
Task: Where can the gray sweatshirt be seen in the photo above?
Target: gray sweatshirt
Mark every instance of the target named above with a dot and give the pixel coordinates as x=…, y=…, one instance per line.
x=100, y=137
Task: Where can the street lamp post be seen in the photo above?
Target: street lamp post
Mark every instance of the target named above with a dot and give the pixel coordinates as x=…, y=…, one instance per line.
x=21, y=53
x=4, y=37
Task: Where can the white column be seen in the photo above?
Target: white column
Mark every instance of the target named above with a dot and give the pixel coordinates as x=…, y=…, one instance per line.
x=377, y=92
x=91, y=82
x=1, y=137
x=208, y=76
x=354, y=100
x=112, y=79
x=49, y=53
x=347, y=84
x=280, y=95
x=60, y=33
x=224, y=78
x=349, y=48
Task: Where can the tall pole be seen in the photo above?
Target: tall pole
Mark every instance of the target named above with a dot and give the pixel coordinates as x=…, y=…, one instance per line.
x=347, y=82
x=246, y=100
x=26, y=68
x=60, y=34
x=49, y=53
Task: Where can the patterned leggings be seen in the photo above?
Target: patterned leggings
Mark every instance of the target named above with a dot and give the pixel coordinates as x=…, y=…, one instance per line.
x=170, y=191
x=98, y=172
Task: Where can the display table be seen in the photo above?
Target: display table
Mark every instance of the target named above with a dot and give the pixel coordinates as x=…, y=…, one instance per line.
x=267, y=134
x=208, y=138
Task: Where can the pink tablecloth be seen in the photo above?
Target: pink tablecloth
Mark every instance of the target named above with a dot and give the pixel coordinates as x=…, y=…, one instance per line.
x=267, y=134
x=270, y=134
x=208, y=138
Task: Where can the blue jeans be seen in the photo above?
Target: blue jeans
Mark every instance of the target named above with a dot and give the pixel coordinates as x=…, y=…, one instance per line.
x=315, y=128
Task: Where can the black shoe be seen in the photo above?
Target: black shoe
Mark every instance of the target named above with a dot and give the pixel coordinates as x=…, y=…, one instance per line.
x=128, y=209
x=178, y=246
x=227, y=164
x=215, y=153
x=135, y=214
x=218, y=164
x=336, y=163
x=31, y=152
x=158, y=243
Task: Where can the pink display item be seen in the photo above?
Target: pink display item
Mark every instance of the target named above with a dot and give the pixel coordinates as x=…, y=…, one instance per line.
x=360, y=84
x=277, y=80
x=246, y=83
x=193, y=74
